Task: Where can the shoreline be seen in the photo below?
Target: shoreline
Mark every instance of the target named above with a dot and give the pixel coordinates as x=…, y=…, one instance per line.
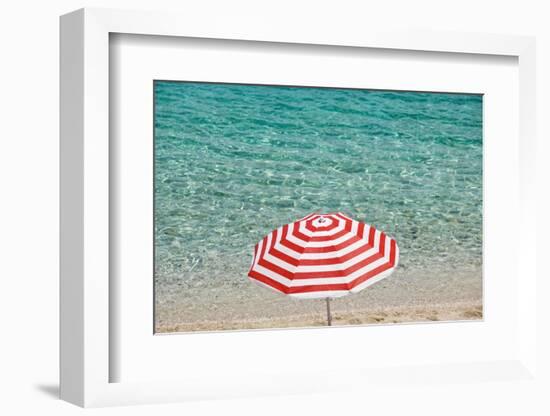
x=406, y=296
x=457, y=311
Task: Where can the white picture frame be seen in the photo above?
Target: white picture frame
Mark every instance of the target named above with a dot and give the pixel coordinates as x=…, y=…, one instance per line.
x=86, y=356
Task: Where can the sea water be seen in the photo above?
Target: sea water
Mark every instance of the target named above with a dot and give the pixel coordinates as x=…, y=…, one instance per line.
x=233, y=162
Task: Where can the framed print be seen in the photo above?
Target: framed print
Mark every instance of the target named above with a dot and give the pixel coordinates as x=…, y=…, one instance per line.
x=227, y=196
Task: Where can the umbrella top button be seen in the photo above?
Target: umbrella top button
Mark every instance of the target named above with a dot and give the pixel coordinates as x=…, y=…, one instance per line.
x=322, y=221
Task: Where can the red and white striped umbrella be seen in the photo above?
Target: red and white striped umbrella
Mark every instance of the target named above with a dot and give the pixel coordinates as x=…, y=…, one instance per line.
x=323, y=256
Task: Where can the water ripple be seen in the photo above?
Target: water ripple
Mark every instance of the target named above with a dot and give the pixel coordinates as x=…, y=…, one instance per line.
x=234, y=162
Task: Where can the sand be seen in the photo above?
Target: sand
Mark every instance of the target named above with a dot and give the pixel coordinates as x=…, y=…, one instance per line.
x=443, y=312
x=406, y=296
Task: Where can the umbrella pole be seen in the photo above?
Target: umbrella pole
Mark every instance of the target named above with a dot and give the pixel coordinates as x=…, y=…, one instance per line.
x=329, y=317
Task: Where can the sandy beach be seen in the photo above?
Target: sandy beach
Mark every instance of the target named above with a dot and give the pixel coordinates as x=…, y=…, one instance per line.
x=404, y=297
x=442, y=312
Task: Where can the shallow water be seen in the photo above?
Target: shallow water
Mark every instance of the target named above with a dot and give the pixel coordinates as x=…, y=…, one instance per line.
x=233, y=162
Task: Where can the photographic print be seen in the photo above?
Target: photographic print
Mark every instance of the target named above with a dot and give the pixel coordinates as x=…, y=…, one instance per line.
x=292, y=207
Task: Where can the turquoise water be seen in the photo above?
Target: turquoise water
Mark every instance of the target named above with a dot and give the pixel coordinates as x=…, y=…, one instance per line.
x=233, y=162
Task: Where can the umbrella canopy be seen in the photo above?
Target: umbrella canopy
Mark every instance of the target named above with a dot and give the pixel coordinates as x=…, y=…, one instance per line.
x=323, y=256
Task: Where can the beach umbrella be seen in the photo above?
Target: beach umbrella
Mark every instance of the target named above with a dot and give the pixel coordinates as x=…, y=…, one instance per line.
x=323, y=256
